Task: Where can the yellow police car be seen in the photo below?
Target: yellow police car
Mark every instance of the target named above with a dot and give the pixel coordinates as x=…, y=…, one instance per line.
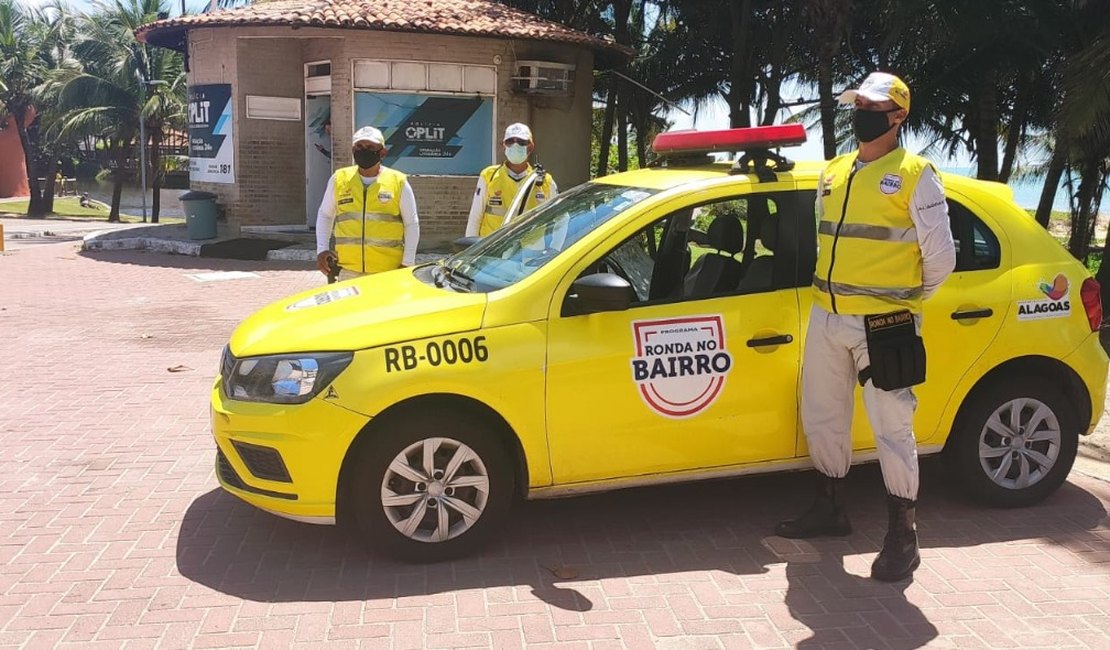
x=642, y=328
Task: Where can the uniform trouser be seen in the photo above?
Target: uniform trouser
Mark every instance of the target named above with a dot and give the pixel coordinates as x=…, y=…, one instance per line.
x=835, y=352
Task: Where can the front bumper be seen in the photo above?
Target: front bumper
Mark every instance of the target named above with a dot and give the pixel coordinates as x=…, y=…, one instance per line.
x=284, y=459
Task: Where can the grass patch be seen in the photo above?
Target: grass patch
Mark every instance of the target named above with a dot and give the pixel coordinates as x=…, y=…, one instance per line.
x=70, y=206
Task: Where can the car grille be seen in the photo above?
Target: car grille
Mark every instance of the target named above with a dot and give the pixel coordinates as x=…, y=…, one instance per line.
x=227, y=472
x=263, y=462
x=230, y=478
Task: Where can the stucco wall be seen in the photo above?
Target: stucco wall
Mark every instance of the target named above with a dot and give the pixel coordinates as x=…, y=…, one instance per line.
x=13, y=171
x=270, y=176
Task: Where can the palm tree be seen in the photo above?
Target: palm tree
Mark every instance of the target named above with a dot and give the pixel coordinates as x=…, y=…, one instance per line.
x=23, y=67
x=57, y=26
x=163, y=110
x=107, y=96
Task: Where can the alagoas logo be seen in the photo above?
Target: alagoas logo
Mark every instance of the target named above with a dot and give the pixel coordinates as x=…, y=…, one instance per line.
x=1055, y=305
x=680, y=364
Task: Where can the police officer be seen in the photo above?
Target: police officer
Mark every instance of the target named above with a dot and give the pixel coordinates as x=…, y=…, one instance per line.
x=373, y=211
x=499, y=184
x=884, y=247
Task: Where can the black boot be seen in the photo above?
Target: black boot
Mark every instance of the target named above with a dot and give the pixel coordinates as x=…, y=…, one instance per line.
x=899, y=556
x=825, y=517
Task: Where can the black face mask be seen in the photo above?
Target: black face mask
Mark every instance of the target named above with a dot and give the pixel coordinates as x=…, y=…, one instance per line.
x=366, y=158
x=869, y=125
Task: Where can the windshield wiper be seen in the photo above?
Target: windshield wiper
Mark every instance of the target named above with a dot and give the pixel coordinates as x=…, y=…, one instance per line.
x=453, y=278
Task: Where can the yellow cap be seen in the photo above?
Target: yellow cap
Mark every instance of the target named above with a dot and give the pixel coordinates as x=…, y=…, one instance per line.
x=880, y=87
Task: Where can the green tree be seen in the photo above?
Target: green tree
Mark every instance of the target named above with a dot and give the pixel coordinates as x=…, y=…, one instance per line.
x=110, y=92
x=24, y=45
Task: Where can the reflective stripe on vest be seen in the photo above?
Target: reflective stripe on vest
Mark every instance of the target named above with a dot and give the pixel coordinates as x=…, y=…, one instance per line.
x=869, y=259
x=501, y=189
x=894, y=293
x=865, y=231
x=369, y=231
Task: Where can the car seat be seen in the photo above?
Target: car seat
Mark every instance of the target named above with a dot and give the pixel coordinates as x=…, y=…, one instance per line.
x=760, y=273
x=718, y=272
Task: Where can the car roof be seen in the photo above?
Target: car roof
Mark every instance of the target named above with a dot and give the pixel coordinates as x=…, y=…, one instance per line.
x=806, y=172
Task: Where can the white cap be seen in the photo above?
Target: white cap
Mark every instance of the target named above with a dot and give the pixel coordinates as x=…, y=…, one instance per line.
x=880, y=87
x=518, y=130
x=368, y=134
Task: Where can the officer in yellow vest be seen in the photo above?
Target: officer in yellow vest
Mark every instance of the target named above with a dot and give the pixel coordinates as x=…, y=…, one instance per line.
x=373, y=211
x=885, y=245
x=499, y=184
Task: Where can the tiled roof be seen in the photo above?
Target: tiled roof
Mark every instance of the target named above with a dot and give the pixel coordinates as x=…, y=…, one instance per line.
x=460, y=17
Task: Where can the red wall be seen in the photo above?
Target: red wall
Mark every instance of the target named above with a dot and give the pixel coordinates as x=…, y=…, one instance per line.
x=13, y=170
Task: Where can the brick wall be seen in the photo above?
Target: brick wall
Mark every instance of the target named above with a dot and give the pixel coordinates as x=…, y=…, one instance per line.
x=271, y=172
x=444, y=204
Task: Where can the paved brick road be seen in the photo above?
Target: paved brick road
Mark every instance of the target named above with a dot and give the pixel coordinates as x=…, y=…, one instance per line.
x=113, y=533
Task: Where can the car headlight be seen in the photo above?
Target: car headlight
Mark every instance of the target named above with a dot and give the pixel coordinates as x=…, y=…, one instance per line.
x=281, y=378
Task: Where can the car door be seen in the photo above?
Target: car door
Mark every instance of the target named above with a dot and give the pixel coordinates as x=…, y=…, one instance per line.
x=690, y=377
x=959, y=321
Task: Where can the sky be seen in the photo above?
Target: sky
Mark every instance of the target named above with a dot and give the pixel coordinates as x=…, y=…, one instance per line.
x=87, y=5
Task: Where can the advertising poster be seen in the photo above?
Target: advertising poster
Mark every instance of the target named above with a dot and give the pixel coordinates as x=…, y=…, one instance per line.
x=431, y=134
x=211, y=154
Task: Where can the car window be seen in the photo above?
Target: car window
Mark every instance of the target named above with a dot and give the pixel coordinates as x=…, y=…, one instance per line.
x=977, y=246
x=713, y=249
x=519, y=249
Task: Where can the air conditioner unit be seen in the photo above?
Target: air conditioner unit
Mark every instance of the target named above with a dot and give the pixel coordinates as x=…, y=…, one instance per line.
x=543, y=78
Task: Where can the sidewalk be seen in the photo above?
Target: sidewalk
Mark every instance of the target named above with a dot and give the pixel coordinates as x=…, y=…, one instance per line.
x=113, y=532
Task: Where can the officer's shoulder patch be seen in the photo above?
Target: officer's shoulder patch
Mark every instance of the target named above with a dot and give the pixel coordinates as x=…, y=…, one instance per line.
x=890, y=183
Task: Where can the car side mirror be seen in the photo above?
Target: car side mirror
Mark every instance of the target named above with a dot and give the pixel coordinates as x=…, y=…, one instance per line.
x=598, y=292
x=463, y=243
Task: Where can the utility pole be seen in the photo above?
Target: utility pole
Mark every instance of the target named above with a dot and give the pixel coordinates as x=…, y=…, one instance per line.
x=142, y=143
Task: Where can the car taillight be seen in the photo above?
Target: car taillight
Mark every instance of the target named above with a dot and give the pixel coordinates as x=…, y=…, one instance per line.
x=1091, y=294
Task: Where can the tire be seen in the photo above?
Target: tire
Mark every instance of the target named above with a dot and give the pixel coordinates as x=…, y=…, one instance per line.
x=990, y=458
x=424, y=520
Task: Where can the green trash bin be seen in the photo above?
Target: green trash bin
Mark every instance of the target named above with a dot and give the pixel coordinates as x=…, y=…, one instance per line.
x=200, y=214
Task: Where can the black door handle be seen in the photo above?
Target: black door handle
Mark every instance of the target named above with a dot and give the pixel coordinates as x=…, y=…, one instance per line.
x=974, y=313
x=771, y=340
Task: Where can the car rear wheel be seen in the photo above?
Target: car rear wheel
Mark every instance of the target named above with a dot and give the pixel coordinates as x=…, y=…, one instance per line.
x=431, y=488
x=1016, y=442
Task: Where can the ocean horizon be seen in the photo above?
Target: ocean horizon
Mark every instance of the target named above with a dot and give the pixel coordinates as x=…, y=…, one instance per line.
x=1027, y=192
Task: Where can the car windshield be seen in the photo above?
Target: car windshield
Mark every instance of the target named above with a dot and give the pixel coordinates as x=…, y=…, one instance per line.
x=518, y=249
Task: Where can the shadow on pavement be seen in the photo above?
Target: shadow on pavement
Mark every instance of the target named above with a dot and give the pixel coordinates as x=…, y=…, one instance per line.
x=559, y=549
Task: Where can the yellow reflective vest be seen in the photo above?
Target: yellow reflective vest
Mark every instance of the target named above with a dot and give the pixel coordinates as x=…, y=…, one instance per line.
x=501, y=189
x=869, y=260
x=369, y=232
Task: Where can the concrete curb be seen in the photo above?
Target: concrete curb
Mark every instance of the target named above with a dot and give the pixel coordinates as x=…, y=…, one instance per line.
x=291, y=255
x=92, y=243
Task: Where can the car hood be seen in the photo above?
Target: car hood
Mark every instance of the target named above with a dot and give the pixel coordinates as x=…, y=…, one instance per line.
x=358, y=314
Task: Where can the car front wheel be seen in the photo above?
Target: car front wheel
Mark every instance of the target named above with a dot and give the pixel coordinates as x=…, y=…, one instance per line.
x=1016, y=442
x=431, y=488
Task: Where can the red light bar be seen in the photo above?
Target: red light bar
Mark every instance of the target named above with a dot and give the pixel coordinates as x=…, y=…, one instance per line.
x=758, y=137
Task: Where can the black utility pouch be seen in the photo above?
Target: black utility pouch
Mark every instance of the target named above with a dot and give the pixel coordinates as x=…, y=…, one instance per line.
x=896, y=350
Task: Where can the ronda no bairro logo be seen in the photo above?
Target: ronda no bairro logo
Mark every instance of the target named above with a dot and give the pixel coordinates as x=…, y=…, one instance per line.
x=680, y=364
